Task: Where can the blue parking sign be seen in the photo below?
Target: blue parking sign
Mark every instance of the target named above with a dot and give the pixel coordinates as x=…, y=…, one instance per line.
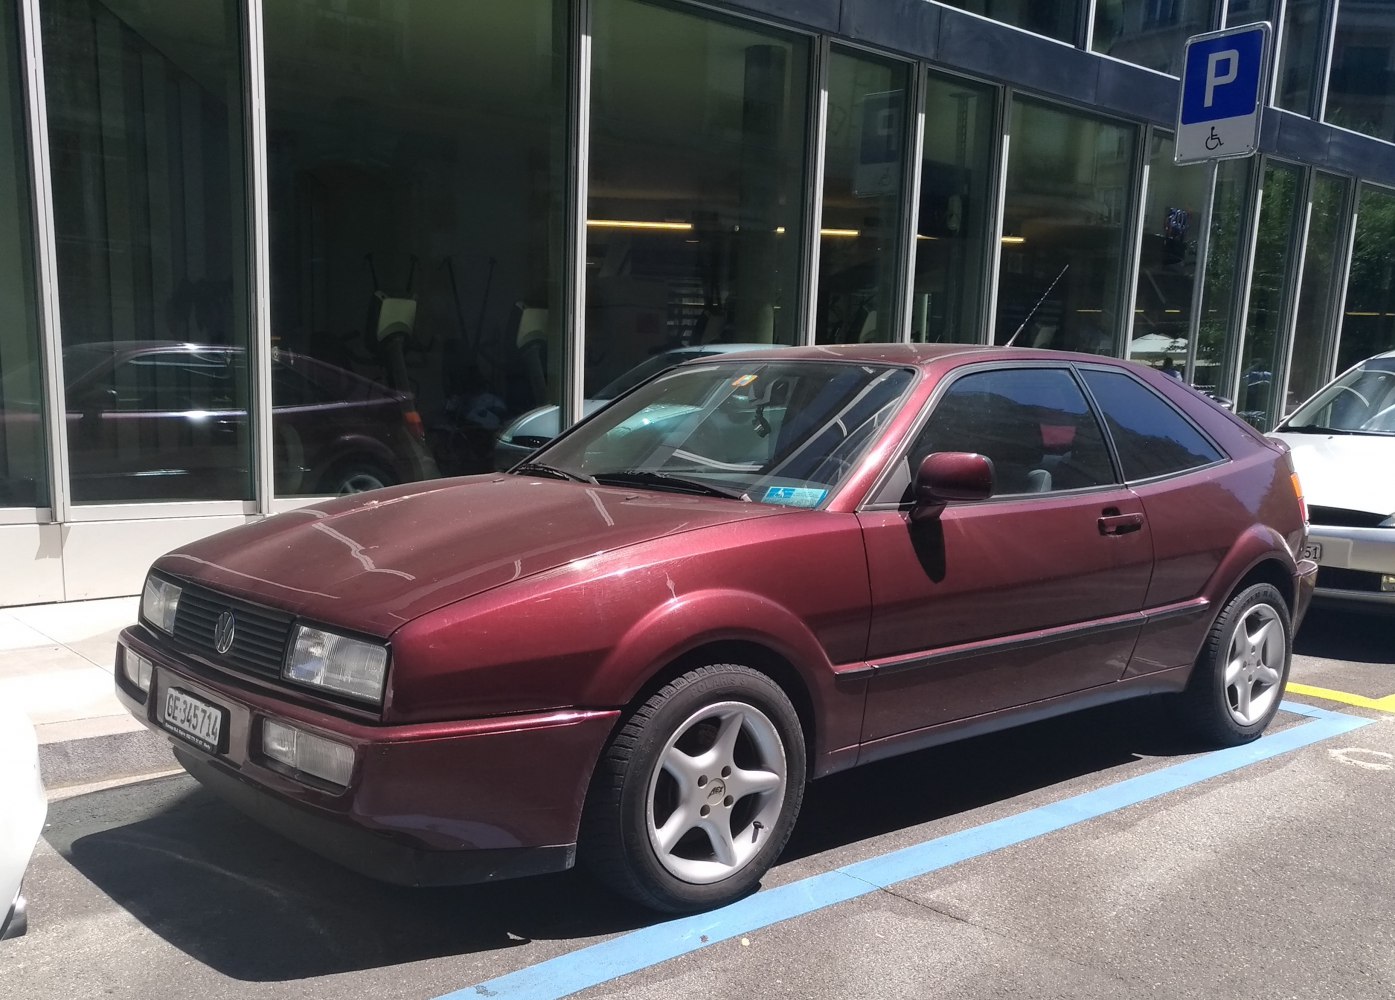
x=1223, y=93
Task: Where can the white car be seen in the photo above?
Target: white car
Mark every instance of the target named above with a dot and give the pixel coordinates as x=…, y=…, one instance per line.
x=1343, y=444
x=22, y=810
x=531, y=430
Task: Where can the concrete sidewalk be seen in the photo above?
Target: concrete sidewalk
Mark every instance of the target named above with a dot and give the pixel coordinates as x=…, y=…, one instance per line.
x=56, y=663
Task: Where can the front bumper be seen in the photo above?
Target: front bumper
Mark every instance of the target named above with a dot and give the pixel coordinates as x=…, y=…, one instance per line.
x=1352, y=563
x=443, y=803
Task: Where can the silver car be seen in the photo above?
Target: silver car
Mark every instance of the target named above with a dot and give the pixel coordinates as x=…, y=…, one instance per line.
x=533, y=429
x=23, y=807
x=1343, y=443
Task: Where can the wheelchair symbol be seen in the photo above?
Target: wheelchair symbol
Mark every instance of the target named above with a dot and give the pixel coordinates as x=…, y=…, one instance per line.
x=1213, y=141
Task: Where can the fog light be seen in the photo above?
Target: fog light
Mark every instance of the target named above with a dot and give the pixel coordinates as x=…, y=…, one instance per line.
x=333, y=762
x=137, y=669
x=1387, y=583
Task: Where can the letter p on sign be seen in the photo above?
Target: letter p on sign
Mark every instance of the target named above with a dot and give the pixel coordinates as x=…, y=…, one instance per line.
x=1216, y=78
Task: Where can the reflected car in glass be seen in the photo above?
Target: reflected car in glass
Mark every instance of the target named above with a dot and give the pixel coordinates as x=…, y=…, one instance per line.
x=1343, y=445
x=23, y=806
x=636, y=648
x=159, y=420
x=530, y=431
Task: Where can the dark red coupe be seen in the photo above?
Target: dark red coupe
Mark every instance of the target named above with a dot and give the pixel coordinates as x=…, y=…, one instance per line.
x=751, y=571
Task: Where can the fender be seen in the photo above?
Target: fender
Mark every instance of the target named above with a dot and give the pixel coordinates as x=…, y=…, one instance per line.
x=680, y=626
x=1258, y=544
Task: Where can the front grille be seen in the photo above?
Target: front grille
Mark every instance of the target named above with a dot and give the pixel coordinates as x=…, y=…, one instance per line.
x=259, y=639
x=1348, y=579
x=1340, y=517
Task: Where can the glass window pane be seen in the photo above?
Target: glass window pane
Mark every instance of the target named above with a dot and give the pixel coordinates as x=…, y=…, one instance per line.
x=955, y=188
x=1326, y=224
x=1054, y=18
x=862, y=216
x=23, y=464
x=1216, y=335
x=146, y=132
x=694, y=226
x=1150, y=32
x=1068, y=191
x=1034, y=424
x=1303, y=41
x=417, y=181
x=1264, y=331
x=1359, y=93
x=1152, y=438
x=1174, y=213
x=1368, y=320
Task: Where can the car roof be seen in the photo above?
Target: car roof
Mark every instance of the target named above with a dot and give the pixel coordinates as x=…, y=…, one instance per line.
x=920, y=355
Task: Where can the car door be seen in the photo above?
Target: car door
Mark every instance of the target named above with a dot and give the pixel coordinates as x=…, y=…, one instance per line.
x=1031, y=594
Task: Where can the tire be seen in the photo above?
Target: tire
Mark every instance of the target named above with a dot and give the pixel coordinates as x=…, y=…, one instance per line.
x=1239, y=678
x=357, y=476
x=697, y=793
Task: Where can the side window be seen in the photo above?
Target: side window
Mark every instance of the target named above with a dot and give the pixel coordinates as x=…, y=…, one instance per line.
x=1034, y=424
x=1152, y=438
x=173, y=382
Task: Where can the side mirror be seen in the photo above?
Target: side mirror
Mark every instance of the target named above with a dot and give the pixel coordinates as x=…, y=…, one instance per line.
x=96, y=401
x=946, y=477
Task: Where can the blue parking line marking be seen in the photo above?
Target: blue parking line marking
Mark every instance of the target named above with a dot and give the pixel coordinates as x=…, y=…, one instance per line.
x=648, y=946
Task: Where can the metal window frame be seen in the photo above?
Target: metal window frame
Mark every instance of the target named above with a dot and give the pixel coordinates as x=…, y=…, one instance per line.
x=1292, y=292
x=1339, y=305
x=259, y=243
x=1141, y=170
x=993, y=273
x=1243, y=277
x=914, y=139
x=1203, y=252
x=1324, y=67
x=580, y=34
x=816, y=147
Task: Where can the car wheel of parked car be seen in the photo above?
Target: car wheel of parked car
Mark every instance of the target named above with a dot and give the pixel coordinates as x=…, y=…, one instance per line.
x=1239, y=678
x=357, y=476
x=697, y=793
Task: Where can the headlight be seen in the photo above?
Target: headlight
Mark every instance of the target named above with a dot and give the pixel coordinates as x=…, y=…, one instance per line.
x=158, y=603
x=348, y=666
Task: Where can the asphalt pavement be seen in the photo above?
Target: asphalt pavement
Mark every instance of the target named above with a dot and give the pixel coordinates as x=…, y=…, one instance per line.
x=1095, y=855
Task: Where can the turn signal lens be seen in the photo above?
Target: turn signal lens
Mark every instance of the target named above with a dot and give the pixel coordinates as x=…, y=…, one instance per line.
x=1298, y=492
x=137, y=669
x=302, y=751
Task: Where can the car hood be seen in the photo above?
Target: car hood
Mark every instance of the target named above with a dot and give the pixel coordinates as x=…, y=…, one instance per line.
x=374, y=561
x=1349, y=471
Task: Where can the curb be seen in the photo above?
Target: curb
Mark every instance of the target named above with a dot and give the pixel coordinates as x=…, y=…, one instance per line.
x=104, y=758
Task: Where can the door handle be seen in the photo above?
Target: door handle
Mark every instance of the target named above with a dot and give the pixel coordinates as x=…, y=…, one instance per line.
x=1120, y=524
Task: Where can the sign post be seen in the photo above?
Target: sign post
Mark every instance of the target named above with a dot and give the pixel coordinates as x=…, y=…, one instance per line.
x=1224, y=89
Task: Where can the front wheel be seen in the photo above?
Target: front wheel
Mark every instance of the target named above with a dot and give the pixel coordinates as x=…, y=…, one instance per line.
x=697, y=793
x=1239, y=679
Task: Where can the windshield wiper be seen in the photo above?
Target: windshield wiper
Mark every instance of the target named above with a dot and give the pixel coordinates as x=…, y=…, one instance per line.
x=663, y=481
x=1313, y=429
x=539, y=469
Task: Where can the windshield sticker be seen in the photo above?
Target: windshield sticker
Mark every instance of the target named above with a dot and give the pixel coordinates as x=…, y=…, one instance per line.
x=744, y=380
x=794, y=496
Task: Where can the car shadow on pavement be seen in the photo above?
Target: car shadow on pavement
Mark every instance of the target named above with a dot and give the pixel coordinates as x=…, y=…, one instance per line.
x=257, y=908
x=1331, y=634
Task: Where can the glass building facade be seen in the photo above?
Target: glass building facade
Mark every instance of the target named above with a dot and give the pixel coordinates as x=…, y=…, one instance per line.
x=267, y=252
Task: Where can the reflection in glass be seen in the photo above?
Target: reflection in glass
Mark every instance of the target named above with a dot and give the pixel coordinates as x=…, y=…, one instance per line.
x=1216, y=333
x=1303, y=41
x=145, y=128
x=694, y=226
x=1059, y=19
x=23, y=468
x=862, y=216
x=1174, y=214
x=1359, y=91
x=1264, y=330
x=1368, y=320
x=1317, y=289
x=947, y=300
x=1068, y=188
x=416, y=157
x=1150, y=33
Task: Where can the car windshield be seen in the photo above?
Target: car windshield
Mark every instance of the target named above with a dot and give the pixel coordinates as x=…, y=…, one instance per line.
x=776, y=432
x=646, y=369
x=1360, y=401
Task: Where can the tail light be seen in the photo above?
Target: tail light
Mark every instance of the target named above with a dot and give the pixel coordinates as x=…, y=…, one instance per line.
x=414, y=426
x=1298, y=492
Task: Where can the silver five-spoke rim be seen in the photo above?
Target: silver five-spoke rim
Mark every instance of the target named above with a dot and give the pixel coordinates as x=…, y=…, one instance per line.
x=716, y=792
x=360, y=482
x=1254, y=665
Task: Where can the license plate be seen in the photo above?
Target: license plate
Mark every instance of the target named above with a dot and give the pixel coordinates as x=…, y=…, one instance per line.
x=1313, y=551
x=194, y=719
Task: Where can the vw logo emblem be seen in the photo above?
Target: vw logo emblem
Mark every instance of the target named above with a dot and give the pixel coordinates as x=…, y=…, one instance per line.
x=223, y=631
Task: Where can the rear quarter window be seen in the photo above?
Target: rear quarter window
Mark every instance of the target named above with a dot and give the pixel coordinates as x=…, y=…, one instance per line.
x=1152, y=437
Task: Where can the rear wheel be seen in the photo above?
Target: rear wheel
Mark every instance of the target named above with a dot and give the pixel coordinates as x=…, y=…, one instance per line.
x=697, y=793
x=357, y=476
x=1239, y=679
